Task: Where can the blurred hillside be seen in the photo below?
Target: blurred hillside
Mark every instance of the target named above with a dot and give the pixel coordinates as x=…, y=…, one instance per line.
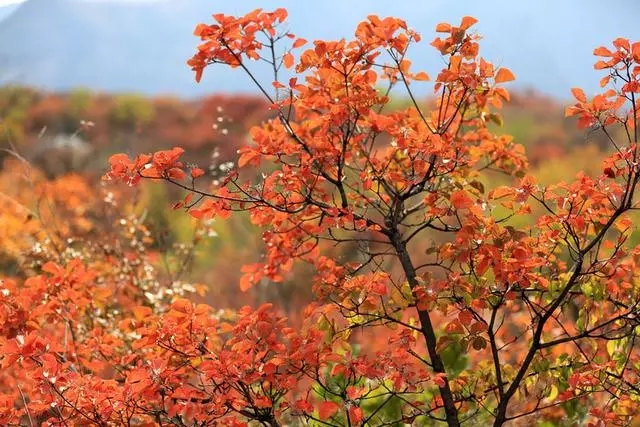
x=68, y=136
x=109, y=123
x=126, y=122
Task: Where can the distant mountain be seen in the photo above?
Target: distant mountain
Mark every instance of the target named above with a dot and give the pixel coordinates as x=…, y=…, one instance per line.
x=113, y=46
x=143, y=45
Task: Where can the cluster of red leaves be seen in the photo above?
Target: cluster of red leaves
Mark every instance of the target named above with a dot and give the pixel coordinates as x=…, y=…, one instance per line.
x=495, y=320
x=233, y=38
x=184, y=365
x=162, y=164
x=91, y=341
x=623, y=66
x=324, y=103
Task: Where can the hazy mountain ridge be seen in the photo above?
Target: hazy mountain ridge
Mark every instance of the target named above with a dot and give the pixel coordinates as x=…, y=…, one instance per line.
x=142, y=46
x=139, y=46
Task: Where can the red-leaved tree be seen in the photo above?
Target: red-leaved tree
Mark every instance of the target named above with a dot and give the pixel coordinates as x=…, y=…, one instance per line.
x=494, y=303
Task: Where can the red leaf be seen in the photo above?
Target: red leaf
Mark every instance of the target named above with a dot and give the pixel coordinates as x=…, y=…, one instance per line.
x=454, y=327
x=440, y=379
x=355, y=415
x=328, y=410
x=196, y=173
x=478, y=327
x=465, y=317
x=609, y=173
x=303, y=405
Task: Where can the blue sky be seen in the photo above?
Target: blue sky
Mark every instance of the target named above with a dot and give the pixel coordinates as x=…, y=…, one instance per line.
x=547, y=43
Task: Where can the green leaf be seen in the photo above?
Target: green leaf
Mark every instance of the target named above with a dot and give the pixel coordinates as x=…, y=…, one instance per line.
x=495, y=118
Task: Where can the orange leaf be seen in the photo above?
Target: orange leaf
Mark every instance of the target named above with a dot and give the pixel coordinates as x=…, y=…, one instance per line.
x=467, y=22
x=119, y=158
x=299, y=42
x=443, y=27
x=280, y=14
x=371, y=76
x=579, y=94
x=328, y=410
x=461, y=200
x=635, y=51
x=502, y=93
x=501, y=192
x=405, y=64
x=504, y=75
x=246, y=282
x=52, y=268
x=182, y=305
x=602, y=51
x=141, y=312
x=249, y=157
x=421, y=76
x=287, y=60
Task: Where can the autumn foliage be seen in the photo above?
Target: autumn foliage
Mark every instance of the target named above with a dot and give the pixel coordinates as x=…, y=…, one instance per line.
x=458, y=299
